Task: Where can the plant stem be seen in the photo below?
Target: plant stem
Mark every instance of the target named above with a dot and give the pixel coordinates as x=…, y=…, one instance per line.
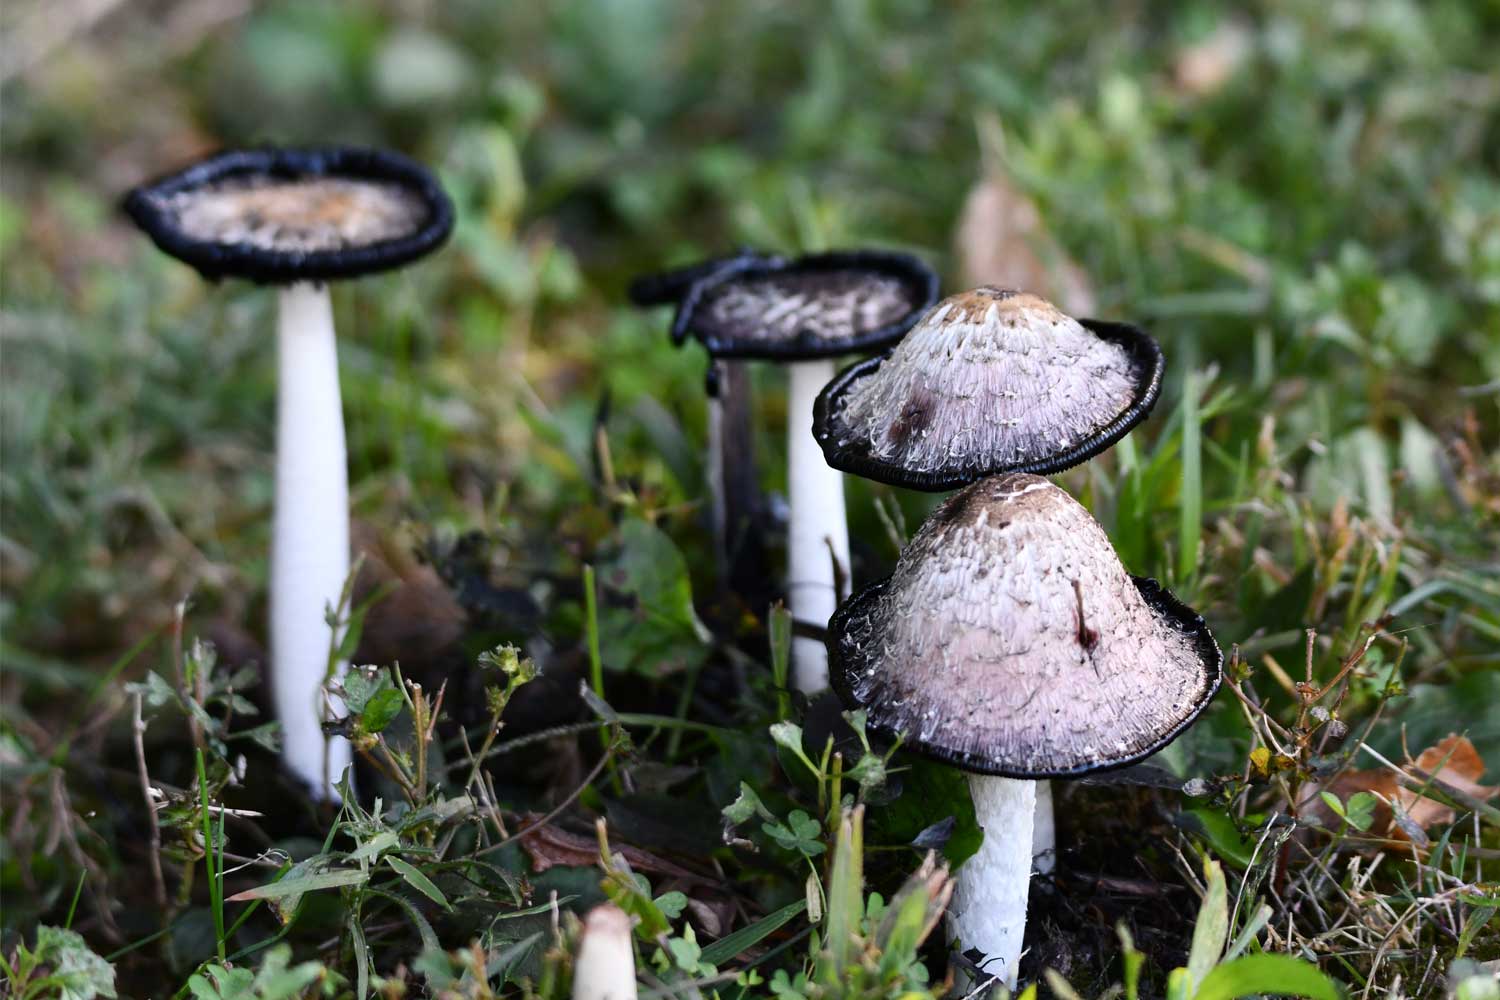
x=215, y=888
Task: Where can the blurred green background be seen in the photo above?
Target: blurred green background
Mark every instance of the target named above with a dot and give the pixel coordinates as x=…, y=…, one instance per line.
x=1300, y=195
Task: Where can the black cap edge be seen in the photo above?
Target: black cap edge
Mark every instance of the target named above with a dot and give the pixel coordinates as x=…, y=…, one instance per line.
x=1210, y=656
x=903, y=266
x=662, y=288
x=217, y=260
x=1143, y=349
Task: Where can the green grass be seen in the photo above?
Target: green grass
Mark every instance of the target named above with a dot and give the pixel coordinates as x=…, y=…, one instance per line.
x=1315, y=241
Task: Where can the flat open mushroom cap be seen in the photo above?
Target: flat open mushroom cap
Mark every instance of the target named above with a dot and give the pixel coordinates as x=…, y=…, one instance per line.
x=811, y=307
x=668, y=287
x=989, y=381
x=278, y=216
x=1010, y=640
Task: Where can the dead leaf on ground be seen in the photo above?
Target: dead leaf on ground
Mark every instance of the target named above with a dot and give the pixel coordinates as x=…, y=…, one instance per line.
x=548, y=845
x=1453, y=761
x=418, y=619
x=1002, y=240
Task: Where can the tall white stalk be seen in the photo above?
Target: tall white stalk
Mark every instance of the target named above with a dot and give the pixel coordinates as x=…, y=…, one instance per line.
x=818, y=534
x=310, y=536
x=1043, y=831
x=989, y=896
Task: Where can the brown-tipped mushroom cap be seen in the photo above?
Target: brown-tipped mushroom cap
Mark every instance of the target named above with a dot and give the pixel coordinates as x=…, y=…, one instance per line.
x=1011, y=641
x=988, y=381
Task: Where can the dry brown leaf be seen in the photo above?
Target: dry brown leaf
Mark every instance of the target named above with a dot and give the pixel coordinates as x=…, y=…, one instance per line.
x=1453, y=761
x=1204, y=67
x=1002, y=240
x=418, y=619
x=548, y=845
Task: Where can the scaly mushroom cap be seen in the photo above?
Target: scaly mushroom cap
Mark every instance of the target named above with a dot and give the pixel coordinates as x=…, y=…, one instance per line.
x=1011, y=641
x=284, y=215
x=816, y=306
x=989, y=381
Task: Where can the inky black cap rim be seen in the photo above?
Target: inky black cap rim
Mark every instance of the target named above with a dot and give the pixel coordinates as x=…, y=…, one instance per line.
x=663, y=288
x=215, y=260
x=844, y=664
x=920, y=280
x=855, y=460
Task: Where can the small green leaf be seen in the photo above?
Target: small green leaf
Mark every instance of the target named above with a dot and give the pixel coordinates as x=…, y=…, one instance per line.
x=1361, y=810
x=381, y=710
x=789, y=735
x=1222, y=835
x=418, y=881
x=671, y=904
x=747, y=805
x=1334, y=805
x=1279, y=974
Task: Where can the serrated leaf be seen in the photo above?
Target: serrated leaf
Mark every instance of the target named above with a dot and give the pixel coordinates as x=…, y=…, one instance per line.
x=419, y=881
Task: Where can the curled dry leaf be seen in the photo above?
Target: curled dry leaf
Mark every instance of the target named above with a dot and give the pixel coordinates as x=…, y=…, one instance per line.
x=548, y=845
x=1453, y=761
x=1001, y=240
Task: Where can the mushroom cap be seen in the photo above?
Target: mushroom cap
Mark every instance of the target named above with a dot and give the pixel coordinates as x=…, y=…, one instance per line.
x=815, y=306
x=1011, y=641
x=668, y=287
x=988, y=381
x=278, y=216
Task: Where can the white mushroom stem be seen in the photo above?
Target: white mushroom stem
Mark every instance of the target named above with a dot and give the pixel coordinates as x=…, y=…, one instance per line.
x=818, y=536
x=989, y=896
x=719, y=513
x=1043, y=832
x=605, y=967
x=310, y=537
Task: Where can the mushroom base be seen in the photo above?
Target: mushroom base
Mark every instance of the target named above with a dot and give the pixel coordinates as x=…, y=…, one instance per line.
x=988, y=912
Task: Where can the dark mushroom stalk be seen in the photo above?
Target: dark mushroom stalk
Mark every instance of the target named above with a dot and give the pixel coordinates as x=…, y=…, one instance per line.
x=1011, y=643
x=803, y=313
x=298, y=219
x=731, y=471
x=990, y=381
